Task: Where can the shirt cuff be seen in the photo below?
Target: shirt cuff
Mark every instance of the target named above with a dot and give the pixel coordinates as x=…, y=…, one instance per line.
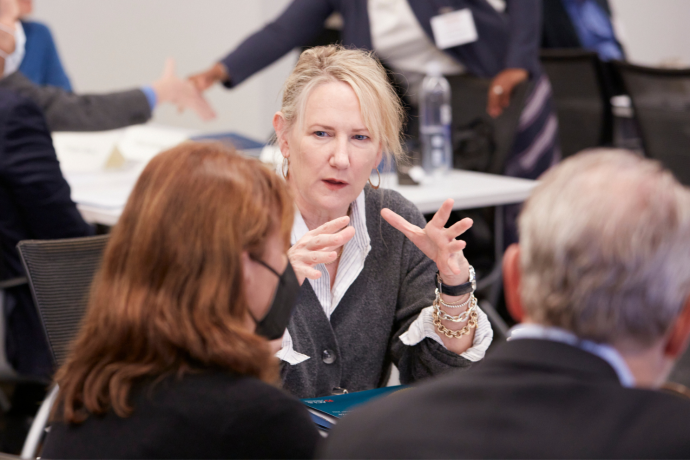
x=287, y=353
x=150, y=96
x=423, y=328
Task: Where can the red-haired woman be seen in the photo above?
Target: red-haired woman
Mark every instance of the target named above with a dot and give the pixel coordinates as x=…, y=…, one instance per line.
x=169, y=363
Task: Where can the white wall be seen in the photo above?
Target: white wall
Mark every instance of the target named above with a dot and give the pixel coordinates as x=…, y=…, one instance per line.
x=117, y=44
x=655, y=31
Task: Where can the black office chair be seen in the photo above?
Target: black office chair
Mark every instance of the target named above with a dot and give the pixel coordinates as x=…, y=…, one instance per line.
x=661, y=101
x=60, y=273
x=482, y=143
x=582, y=103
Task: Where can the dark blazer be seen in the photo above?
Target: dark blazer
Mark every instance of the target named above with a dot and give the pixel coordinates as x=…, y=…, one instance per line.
x=205, y=415
x=557, y=28
x=529, y=399
x=66, y=111
x=510, y=40
x=36, y=204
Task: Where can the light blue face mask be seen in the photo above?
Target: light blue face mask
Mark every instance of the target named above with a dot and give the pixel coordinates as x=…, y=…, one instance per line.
x=15, y=59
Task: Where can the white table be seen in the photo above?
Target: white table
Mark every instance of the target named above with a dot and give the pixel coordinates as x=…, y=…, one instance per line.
x=468, y=189
x=101, y=193
x=101, y=196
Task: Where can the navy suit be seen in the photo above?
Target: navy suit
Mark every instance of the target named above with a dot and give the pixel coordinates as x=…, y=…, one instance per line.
x=36, y=204
x=508, y=41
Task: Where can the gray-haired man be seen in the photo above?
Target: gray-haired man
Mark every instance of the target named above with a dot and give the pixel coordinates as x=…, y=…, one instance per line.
x=601, y=282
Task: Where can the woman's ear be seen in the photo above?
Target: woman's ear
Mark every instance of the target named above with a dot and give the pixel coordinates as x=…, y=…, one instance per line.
x=379, y=157
x=511, y=282
x=279, y=126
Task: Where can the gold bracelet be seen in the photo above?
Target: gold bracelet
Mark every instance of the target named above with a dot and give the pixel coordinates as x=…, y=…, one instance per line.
x=472, y=323
x=462, y=317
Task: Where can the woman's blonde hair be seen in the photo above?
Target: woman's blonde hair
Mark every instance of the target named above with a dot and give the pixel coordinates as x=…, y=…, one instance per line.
x=380, y=105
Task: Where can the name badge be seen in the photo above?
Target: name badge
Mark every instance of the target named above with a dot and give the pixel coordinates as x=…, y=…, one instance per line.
x=454, y=29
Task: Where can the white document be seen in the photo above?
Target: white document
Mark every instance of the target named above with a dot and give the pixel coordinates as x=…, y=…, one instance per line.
x=454, y=29
x=141, y=143
x=85, y=152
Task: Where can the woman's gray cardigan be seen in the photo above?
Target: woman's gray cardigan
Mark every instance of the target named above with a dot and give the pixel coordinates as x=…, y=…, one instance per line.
x=396, y=283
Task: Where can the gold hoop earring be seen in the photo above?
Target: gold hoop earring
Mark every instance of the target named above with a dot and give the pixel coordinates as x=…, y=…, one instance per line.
x=285, y=169
x=377, y=185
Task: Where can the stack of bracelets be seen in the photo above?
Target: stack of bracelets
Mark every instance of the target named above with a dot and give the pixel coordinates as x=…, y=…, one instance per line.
x=469, y=314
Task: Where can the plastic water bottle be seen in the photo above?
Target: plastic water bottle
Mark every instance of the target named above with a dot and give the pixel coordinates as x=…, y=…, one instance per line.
x=434, y=122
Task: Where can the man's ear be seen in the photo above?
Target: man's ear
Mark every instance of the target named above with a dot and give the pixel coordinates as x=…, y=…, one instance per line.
x=511, y=282
x=280, y=127
x=680, y=332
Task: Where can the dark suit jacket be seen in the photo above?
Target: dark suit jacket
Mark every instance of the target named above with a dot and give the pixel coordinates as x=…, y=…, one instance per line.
x=558, y=30
x=35, y=203
x=66, y=111
x=206, y=415
x=529, y=399
x=505, y=41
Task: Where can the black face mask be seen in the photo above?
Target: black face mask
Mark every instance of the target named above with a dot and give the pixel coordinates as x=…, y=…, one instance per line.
x=273, y=324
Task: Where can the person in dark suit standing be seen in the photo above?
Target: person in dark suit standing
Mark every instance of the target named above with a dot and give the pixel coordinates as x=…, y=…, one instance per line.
x=493, y=39
x=601, y=283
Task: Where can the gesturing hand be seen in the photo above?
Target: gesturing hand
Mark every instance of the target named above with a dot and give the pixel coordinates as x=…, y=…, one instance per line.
x=170, y=88
x=437, y=242
x=319, y=246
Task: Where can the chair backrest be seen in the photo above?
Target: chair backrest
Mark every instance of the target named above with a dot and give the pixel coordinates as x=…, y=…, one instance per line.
x=584, y=111
x=60, y=274
x=661, y=102
x=482, y=143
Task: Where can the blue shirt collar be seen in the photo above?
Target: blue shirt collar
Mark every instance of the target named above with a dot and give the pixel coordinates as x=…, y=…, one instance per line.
x=605, y=352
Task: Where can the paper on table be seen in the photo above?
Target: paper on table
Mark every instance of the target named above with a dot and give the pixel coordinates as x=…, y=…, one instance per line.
x=84, y=152
x=141, y=143
x=104, y=189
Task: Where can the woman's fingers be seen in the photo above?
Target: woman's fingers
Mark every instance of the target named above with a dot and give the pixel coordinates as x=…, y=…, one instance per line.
x=312, y=273
x=332, y=226
x=325, y=241
x=398, y=222
x=456, y=246
x=312, y=258
x=443, y=213
x=460, y=227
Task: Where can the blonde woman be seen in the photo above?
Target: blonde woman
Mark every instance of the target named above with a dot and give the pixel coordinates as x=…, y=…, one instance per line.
x=370, y=296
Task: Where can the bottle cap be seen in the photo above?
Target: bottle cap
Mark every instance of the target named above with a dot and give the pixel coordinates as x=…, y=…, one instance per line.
x=433, y=68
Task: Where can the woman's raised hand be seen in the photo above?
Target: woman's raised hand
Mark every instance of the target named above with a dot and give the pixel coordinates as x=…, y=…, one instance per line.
x=319, y=246
x=437, y=242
